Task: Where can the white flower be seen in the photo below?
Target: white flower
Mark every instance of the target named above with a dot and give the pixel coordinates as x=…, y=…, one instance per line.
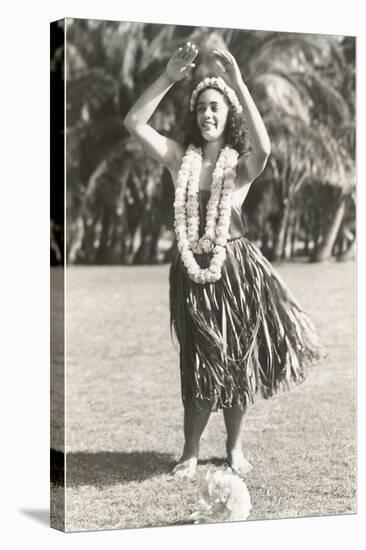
x=215, y=272
x=216, y=262
x=206, y=245
x=196, y=247
x=210, y=233
x=221, y=240
x=219, y=251
x=193, y=269
x=229, y=174
x=225, y=498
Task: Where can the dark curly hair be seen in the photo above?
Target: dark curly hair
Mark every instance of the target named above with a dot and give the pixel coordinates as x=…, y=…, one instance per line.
x=236, y=132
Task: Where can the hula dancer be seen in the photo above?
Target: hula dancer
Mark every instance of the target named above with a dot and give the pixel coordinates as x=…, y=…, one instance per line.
x=240, y=331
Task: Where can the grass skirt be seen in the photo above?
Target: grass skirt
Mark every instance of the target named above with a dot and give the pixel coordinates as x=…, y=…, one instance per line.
x=241, y=336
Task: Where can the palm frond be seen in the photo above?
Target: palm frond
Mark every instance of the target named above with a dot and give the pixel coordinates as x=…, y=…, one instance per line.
x=312, y=148
x=90, y=88
x=281, y=90
x=327, y=101
x=158, y=47
x=292, y=51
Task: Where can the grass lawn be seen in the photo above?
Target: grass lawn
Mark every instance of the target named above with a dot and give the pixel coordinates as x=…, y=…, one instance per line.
x=124, y=413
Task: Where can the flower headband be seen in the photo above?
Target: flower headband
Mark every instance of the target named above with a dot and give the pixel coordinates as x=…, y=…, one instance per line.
x=220, y=84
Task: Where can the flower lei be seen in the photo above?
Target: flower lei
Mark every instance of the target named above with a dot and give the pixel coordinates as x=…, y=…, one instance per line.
x=221, y=85
x=224, y=498
x=218, y=212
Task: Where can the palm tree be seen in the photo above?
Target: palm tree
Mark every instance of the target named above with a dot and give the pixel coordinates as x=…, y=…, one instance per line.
x=345, y=133
x=301, y=78
x=109, y=64
x=98, y=98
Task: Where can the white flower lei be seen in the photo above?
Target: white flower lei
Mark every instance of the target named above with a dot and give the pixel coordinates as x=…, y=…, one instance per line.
x=218, y=212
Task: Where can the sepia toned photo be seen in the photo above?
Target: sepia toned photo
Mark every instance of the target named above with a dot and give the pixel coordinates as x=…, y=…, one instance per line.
x=203, y=242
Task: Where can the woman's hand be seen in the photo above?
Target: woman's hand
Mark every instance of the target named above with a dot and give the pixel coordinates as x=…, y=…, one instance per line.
x=227, y=68
x=181, y=62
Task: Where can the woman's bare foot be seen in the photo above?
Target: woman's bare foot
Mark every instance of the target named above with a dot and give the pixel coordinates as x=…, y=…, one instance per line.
x=238, y=463
x=185, y=468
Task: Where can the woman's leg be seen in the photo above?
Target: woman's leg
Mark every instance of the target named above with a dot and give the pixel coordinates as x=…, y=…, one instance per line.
x=194, y=424
x=234, y=422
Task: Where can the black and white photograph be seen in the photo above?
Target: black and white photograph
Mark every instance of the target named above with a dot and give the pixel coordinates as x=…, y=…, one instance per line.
x=203, y=274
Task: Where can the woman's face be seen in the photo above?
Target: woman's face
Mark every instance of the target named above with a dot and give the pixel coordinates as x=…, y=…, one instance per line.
x=211, y=114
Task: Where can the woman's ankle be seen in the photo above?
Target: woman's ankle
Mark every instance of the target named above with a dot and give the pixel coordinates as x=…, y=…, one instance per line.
x=234, y=447
x=190, y=451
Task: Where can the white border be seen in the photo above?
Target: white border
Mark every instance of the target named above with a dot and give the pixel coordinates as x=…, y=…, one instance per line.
x=25, y=277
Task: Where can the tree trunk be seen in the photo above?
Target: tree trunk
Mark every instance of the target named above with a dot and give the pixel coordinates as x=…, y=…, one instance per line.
x=324, y=251
x=349, y=254
x=103, y=251
x=294, y=233
x=281, y=234
x=306, y=236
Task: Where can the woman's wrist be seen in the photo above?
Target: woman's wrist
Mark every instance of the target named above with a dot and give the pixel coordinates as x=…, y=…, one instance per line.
x=170, y=81
x=239, y=85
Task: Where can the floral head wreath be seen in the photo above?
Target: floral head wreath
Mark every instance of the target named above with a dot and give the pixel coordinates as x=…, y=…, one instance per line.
x=220, y=84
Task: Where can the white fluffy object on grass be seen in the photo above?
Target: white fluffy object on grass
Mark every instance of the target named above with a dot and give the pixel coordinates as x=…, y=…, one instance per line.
x=225, y=498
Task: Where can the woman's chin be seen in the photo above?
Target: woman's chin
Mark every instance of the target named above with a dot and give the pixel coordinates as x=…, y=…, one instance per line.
x=210, y=136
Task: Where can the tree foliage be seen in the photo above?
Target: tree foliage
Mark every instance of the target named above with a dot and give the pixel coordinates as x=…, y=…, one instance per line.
x=120, y=201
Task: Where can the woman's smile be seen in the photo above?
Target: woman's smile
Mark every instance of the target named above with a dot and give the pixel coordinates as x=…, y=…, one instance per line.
x=212, y=110
x=209, y=124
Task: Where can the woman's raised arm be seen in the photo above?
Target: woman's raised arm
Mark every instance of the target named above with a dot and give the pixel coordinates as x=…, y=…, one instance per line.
x=163, y=149
x=251, y=165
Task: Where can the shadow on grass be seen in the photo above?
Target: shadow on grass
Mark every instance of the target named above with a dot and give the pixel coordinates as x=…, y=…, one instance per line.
x=109, y=468
x=213, y=460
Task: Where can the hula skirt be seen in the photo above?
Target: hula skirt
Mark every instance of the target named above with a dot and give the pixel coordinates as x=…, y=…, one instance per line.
x=241, y=336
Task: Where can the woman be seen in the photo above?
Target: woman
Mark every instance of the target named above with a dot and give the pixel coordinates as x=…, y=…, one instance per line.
x=240, y=332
